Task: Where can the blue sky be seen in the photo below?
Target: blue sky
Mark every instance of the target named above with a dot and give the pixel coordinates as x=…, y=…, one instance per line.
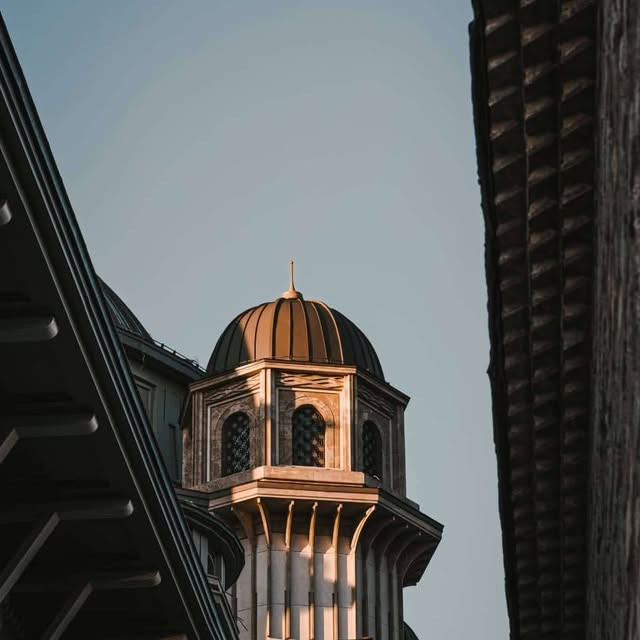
x=204, y=144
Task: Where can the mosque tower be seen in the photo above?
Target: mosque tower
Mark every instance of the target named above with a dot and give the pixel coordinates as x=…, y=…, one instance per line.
x=296, y=440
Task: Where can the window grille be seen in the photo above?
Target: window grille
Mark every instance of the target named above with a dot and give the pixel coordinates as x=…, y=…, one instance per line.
x=371, y=450
x=308, y=437
x=235, y=444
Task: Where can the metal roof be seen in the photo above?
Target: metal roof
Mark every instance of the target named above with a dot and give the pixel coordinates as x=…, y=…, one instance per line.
x=122, y=316
x=293, y=329
x=136, y=339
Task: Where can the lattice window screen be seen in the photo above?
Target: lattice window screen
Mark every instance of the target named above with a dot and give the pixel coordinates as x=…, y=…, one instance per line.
x=235, y=444
x=308, y=437
x=371, y=449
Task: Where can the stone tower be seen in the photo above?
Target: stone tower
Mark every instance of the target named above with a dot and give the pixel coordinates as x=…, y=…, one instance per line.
x=295, y=439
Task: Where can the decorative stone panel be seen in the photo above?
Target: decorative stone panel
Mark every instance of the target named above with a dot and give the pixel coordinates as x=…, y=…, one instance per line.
x=233, y=389
x=309, y=380
x=376, y=400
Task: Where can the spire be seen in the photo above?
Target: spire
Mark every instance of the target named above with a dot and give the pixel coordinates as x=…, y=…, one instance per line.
x=291, y=293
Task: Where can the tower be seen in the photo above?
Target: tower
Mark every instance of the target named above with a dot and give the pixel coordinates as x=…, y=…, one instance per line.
x=295, y=438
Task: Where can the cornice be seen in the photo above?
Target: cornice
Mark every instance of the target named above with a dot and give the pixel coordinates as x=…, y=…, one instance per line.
x=291, y=483
x=252, y=368
x=396, y=513
x=160, y=358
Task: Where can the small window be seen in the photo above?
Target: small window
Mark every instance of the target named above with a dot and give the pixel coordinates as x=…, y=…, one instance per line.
x=235, y=444
x=308, y=437
x=371, y=450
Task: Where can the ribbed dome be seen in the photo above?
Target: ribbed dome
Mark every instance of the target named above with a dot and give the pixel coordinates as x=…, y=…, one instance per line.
x=121, y=315
x=294, y=329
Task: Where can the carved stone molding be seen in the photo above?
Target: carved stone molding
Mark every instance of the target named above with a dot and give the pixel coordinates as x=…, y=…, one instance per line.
x=375, y=400
x=233, y=389
x=310, y=380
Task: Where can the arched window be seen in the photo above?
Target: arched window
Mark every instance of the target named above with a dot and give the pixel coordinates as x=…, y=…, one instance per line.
x=371, y=449
x=235, y=444
x=308, y=437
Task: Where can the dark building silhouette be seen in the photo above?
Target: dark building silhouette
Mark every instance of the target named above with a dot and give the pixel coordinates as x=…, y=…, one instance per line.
x=161, y=375
x=556, y=98
x=94, y=542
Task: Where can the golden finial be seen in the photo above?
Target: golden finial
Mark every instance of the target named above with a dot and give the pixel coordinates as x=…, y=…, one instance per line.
x=291, y=293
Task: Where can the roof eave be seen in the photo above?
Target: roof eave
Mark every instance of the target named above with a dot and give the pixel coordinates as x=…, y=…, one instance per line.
x=76, y=282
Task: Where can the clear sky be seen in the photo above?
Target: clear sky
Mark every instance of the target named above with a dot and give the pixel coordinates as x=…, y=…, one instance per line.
x=205, y=143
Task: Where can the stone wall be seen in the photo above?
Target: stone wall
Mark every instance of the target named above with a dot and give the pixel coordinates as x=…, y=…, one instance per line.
x=322, y=584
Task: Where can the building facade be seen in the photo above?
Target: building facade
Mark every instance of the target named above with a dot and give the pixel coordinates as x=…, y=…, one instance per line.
x=291, y=438
x=295, y=439
x=95, y=542
x=162, y=377
x=556, y=95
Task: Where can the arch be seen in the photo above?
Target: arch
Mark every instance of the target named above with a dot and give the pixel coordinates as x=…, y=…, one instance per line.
x=307, y=437
x=217, y=415
x=372, y=449
x=236, y=443
x=332, y=435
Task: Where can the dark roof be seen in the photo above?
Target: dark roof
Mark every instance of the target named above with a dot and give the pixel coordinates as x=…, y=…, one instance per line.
x=93, y=541
x=533, y=91
x=123, y=318
x=139, y=344
x=293, y=329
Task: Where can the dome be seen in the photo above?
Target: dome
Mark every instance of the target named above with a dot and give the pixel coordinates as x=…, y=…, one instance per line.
x=294, y=329
x=122, y=317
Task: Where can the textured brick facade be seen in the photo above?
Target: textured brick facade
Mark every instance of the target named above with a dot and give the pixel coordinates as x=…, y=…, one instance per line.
x=557, y=101
x=534, y=76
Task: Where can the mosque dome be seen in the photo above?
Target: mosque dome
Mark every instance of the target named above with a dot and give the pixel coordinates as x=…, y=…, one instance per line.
x=294, y=329
x=123, y=318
